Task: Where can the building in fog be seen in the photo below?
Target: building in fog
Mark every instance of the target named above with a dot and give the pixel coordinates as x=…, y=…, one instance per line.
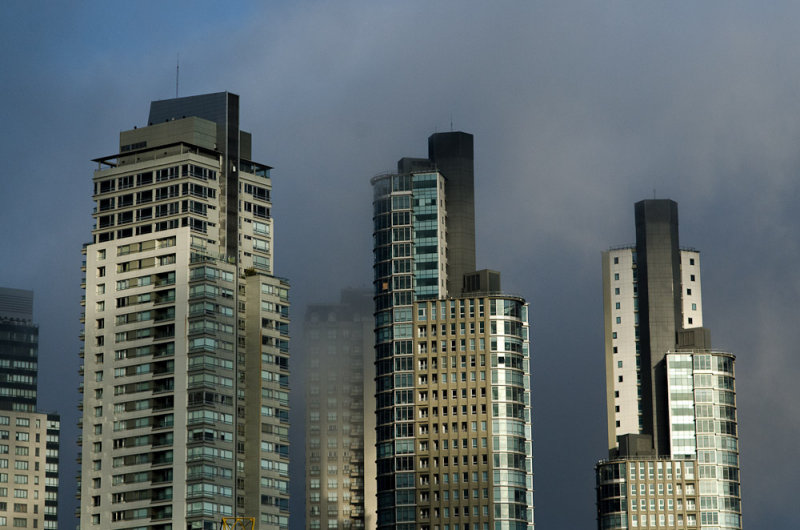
x=671, y=403
x=340, y=419
x=185, y=359
x=453, y=406
x=29, y=439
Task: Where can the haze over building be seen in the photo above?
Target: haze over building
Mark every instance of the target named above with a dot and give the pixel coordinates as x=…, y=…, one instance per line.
x=185, y=359
x=671, y=404
x=340, y=419
x=453, y=433
x=29, y=439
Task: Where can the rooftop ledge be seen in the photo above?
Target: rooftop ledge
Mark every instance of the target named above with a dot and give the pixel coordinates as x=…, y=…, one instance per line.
x=247, y=166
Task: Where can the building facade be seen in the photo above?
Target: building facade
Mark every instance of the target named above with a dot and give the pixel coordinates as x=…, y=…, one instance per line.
x=186, y=330
x=453, y=411
x=671, y=405
x=340, y=423
x=29, y=439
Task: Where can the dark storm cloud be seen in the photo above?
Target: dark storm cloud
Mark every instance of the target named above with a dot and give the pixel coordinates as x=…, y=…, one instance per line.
x=578, y=109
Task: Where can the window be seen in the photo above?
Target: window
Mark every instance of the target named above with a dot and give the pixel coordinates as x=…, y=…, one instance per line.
x=260, y=244
x=616, y=290
x=617, y=305
x=691, y=277
x=616, y=276
x=691, y=261
x=619, y=320
x=688, y=292
x=616, y=260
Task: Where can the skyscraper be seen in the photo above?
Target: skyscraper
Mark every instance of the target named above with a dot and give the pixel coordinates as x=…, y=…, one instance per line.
x=29, y=439
x=340, y=419
x=185, y=359
x=671, y=406
x=452, y=357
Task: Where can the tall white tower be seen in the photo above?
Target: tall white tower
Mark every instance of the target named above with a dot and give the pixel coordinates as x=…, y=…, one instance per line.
x=185, y=358
x=671, y=403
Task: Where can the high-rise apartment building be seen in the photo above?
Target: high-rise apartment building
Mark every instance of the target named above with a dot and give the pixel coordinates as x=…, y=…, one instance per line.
x=453, y=411
x=185, y=358
x=29, y=439
x=340, y=419
x=671, y=403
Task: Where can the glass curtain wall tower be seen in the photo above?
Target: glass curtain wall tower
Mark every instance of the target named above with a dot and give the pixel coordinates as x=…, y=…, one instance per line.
x=453, y=409
x=185, y=358
x=671, y=404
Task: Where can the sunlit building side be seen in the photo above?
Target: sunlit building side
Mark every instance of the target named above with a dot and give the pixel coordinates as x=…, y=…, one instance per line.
x=185, y=362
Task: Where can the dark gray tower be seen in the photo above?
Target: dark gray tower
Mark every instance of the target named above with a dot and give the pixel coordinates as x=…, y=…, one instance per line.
x=452, y=154
x=659, y=269
x=19, y=342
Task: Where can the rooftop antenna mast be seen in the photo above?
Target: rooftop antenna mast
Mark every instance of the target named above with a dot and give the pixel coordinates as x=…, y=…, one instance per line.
x=177, y=73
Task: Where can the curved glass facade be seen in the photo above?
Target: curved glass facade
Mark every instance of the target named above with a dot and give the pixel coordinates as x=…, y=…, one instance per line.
x=512, y=475
x=698, y=485
x=704, y=427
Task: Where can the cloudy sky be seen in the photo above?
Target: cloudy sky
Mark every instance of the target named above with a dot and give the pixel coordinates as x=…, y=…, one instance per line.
x=579, y=109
